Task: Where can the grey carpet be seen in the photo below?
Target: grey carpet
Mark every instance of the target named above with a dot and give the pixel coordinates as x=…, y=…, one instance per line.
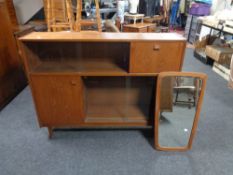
x=25, y=149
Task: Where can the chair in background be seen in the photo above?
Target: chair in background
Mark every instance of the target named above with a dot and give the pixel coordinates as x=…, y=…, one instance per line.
x=87, y=22
x=59, y=15
x=190, y=87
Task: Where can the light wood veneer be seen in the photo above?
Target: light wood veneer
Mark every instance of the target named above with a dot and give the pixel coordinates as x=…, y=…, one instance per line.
x=92, y=79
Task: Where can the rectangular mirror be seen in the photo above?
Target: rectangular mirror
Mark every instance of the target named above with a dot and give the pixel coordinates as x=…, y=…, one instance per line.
x=179, y=99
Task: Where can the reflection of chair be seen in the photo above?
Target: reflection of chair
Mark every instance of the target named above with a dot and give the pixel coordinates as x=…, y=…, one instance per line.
x=189, y=87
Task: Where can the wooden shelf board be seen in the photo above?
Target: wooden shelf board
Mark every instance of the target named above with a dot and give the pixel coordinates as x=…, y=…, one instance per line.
x=117, y=113
x=89, y=66
x=100, y=36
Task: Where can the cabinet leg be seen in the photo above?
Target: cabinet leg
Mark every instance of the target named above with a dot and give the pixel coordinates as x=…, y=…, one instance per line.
x=50, y=132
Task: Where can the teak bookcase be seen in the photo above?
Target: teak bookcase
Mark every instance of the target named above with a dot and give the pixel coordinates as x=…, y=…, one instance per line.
x=98, y=79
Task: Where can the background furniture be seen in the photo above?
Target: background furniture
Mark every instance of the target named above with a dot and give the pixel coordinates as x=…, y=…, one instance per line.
x=192, y=29
x=11, y=12
x=74, y=86
x=59, y=15
x=135, y=17
x=139, y=27
x=87, y=22
x=12, y=78
x=208, y=40
x=191, y=90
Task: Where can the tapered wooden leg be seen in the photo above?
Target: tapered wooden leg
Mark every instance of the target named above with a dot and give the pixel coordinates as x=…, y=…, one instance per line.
x=50, y=132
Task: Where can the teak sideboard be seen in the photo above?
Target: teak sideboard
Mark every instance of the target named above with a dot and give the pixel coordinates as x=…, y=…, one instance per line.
x=98, y=79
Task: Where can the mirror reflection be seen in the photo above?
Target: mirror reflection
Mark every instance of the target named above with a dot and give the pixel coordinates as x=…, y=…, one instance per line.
x=178, y=103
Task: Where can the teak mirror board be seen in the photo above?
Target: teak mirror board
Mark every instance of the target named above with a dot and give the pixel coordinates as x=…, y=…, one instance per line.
x=179, y=99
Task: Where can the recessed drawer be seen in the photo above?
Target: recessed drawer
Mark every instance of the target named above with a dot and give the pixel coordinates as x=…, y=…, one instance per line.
x=155, y=57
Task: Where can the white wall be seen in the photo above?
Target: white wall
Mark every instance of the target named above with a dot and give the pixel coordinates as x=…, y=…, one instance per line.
x=25, y=9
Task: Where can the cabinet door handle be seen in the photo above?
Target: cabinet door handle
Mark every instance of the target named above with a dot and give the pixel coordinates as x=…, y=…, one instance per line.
x=156, y=48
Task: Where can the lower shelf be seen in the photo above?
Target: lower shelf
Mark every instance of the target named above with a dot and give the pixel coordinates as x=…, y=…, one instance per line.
x=129, y=100
x=117, y=113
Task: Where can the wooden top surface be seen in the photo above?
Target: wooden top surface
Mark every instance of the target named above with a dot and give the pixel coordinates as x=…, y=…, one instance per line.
x=139, y=25
x=103, y=36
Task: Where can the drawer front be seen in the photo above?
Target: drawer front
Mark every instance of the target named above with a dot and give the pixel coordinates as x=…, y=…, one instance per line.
x=155, y=57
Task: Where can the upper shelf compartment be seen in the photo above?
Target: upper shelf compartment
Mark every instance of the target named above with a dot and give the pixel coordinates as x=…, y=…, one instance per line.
x=81, y=57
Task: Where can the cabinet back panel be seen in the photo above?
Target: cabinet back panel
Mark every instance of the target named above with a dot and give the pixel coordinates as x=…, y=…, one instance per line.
x=115, y=96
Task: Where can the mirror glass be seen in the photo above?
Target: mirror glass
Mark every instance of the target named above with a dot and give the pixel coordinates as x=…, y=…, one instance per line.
x=179, y=97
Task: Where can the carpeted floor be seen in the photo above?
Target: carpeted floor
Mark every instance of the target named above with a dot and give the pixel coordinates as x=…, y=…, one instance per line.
x=26, y=150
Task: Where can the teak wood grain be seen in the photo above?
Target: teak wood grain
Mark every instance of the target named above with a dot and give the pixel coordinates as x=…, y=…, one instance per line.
x=101, y=36
x=139, y=27
x=11, y=12
x=92, y=79
x=12, y=78
x=59, y=100
x=156, y=56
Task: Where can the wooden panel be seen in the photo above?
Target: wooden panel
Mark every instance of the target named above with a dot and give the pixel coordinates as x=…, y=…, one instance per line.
x=139, y=27
x=128, y=29
x=10, y=85
x=9, y=58
x=140, y=30
x=101, y=36
x=148, y=57
x=151, y=28
x=166, y=100
x=59, y=99
x=143, y=30
x=11, y=11
x=12, y=79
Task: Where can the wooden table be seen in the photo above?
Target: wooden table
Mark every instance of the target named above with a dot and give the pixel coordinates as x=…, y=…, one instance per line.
x=139, y=27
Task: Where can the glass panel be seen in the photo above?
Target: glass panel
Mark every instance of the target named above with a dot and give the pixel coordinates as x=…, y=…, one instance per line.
x=178, y=104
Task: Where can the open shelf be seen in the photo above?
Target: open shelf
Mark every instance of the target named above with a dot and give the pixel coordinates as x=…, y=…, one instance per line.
x=119, y=99
x=89, y=66
x=117, y=113
x=82, y=57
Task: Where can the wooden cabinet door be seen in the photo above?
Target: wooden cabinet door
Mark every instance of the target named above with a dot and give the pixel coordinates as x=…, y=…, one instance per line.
x=155, y=57
x=59, y=99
